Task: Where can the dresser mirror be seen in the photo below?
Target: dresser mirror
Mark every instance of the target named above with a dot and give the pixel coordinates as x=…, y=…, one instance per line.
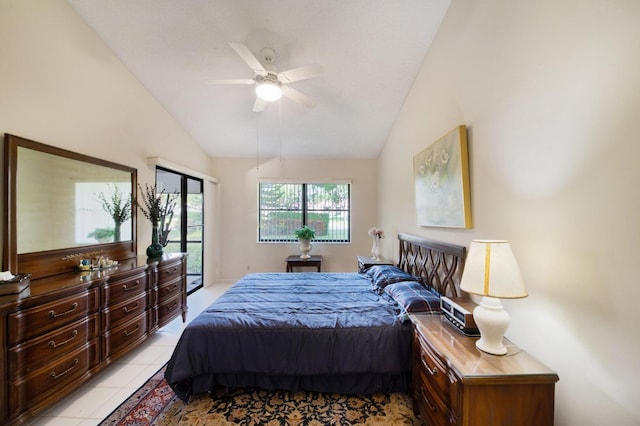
x=63, y=206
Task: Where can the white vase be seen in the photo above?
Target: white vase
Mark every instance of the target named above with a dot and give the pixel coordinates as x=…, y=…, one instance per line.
x=305, y=247
x=375, y=249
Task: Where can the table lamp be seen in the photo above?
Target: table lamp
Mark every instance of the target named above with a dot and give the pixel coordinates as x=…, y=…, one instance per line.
x=491, y=271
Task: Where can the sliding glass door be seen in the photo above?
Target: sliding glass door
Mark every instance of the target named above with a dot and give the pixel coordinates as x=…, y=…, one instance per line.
x=187, y=225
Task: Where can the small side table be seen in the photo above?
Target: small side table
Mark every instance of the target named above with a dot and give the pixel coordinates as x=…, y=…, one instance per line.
x=365, y=262
x=297, y=261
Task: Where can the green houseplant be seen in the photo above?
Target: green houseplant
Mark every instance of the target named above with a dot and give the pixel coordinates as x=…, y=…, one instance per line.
x=305, y=235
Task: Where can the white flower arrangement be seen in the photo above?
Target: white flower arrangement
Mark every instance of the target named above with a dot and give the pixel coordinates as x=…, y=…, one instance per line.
x=376, y=232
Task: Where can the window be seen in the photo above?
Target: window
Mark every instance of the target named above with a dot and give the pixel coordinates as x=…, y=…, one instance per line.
x=285, y=207
x=187, y=226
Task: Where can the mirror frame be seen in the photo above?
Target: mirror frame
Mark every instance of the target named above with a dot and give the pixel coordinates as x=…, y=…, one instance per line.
x=52, y=262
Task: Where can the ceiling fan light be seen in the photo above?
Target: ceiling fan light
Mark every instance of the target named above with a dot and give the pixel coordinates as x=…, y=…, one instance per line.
x=268, y=91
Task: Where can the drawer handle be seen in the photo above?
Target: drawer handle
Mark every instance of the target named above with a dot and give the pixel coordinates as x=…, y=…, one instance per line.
x=129, y=333
x=175, y=269
x=52, y=313
x=170, y=308
x=128, y=309
x=425, y=365
x=127, y=288
x=426, y=400
x=53, y=374
x=173, y=287
x=53, y=344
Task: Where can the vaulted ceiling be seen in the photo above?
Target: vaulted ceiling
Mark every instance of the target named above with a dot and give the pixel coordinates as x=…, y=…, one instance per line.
x=370, y=52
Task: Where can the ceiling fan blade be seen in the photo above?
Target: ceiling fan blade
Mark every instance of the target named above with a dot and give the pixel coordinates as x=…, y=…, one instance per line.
x=297, y=96
x=300, y=73
x=247, y=81
x=246, y=55
x=259, y=105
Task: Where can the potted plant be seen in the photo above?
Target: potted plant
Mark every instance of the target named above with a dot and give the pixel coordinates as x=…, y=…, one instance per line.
x=156, y=210
x=304, y=236
x=305, y=233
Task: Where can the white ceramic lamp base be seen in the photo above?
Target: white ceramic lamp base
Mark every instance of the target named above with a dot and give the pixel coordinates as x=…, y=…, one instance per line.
x=492, y=321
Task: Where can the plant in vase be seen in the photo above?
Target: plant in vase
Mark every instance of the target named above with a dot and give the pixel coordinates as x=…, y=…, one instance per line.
x=118, y=208
x=157, y=207
x=165, y=221
x=304, y=236
x=376, y=234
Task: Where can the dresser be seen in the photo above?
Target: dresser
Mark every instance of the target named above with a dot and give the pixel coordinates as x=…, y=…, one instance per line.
x=64, y=329
x=454, y=383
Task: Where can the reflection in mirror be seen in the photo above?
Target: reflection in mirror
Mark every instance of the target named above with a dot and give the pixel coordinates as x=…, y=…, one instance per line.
x=62, y=205
x=62, y=202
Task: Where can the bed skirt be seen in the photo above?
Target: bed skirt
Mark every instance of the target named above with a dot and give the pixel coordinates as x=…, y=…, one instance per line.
x=350, y=384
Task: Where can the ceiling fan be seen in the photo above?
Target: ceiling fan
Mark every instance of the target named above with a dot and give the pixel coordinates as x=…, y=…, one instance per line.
x=270, y=84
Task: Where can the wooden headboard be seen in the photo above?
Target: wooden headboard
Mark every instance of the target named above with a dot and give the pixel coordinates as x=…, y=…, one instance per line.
x=439, y=264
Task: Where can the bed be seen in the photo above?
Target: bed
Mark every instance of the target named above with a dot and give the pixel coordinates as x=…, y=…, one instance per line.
x=327, y=332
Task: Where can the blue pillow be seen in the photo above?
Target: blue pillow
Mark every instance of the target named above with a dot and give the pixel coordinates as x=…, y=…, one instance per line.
x=414, y=297
x=383, y=275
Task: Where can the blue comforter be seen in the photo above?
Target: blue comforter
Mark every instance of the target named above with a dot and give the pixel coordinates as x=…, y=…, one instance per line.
x=316, y=331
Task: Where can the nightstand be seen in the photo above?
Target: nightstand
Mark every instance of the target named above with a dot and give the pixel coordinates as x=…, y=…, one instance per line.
x=365, y=262
x=455, y=383
x=296, y=261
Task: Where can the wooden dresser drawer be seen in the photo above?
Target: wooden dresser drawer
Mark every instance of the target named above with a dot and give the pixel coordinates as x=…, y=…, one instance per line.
x=124, y=289
x=112, y=316
x=40, y=319
x=170, y=272
x=124, y=336
x=31, y=355
x=53, y=378
x=434, y=410
x=433, y=365
x=170, y=289
x=169, y=309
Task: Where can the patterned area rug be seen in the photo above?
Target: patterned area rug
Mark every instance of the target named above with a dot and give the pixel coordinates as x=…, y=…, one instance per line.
x=156, y=404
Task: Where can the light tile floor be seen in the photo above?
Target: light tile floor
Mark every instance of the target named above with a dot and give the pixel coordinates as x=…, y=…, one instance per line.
x=95, y=400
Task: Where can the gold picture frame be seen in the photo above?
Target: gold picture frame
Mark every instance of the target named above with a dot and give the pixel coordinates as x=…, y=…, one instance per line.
x=441, y=175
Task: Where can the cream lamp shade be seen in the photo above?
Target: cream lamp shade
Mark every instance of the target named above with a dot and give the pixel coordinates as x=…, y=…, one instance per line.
x=491, y=271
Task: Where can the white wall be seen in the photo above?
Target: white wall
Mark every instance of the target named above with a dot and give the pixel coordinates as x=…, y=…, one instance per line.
x=551, y=96
x=60, y=85
x=240, y=252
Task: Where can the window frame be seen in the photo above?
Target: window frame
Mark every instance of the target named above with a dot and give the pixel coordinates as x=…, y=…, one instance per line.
x=184, y=242
x=304, y=211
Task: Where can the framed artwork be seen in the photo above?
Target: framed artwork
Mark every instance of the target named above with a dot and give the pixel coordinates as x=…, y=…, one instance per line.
x=441, y=174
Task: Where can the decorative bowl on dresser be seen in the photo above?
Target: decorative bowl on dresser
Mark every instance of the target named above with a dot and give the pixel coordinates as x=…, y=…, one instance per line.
x=454, y=383
x=72, y=320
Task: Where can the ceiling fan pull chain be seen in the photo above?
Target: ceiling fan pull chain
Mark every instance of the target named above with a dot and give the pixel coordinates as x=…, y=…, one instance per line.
x=280, y=126
x=257, y=141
